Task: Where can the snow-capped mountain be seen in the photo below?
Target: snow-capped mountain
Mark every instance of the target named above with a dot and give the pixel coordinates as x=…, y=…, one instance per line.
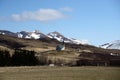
x=31, y=35
x=24, y=34
x=111, y=45
x=38, y=35
x=58, y=36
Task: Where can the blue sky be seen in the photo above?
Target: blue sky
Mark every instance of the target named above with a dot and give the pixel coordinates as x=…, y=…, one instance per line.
x=97, y=21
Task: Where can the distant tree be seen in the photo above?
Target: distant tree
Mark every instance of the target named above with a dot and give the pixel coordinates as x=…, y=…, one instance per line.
x=24, y=58
x=5, y=58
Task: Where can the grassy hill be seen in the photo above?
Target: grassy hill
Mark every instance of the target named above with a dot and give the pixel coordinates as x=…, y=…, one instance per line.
x=46, y=44
x=30, y=44
x=46, y=53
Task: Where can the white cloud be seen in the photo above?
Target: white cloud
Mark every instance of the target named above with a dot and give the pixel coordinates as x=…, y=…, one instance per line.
x=39, y=15
x=66, y=9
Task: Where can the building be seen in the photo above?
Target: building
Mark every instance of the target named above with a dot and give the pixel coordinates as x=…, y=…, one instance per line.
x=60, y=47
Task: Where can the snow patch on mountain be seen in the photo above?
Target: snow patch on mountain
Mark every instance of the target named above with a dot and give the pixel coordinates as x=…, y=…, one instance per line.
x=20, y=35
x=2, y=33
x=31, y=35
x=76, y=41
x=35, y=36
x=57, y=36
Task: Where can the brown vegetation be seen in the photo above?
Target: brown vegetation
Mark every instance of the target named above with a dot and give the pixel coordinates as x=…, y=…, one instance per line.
x=73, y=55
x=59, y=73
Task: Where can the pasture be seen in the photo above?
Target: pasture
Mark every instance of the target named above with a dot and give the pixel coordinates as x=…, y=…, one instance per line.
x=59, y=73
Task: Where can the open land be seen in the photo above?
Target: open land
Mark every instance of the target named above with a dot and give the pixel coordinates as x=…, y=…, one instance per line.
x=59, y=73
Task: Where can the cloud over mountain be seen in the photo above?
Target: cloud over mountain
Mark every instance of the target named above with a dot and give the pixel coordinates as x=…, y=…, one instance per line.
x=39, y=15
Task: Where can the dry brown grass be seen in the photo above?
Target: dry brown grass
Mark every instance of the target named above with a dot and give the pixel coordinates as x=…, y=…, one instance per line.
x=65, y=56
x=38, y=49
x=59, y=73
x=8, y=49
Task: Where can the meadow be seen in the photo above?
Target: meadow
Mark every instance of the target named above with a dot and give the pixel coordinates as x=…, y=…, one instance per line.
x=59, y=73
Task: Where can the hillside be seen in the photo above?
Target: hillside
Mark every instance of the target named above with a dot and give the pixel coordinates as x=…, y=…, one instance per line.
x=46, y=43
x=74, y=54
x=31, y=44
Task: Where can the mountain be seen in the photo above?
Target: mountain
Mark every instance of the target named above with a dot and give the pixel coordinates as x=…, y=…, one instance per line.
x=9, y=33
x=58, y=36
x=47, y=44
x=38, y=35
x=31, y=35
x=111, y=45
x=46, y=50
x=24, y=34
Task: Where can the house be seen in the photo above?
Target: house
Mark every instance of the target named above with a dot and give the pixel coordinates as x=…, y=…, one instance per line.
x=60, y=47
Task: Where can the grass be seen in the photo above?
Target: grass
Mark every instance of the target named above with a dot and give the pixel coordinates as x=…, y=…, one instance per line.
x=59, y=73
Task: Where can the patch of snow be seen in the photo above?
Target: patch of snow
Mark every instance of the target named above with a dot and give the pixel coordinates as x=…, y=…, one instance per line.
x=27, y=37
x=35, y=36
x=20, y=35
x=66, y=41
x=58, y=38
x=76, y=41
x=2, y=33
x=49, y=36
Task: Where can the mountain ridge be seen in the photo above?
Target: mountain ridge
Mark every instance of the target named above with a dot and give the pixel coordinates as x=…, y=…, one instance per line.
x=39, y=35
x=57, y=36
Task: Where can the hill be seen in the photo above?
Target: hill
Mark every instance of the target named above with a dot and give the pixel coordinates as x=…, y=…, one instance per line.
x=74, y=54
x=14, y=42
x=47, y=43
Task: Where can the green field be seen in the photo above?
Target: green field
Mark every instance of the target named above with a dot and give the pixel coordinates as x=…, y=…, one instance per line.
x=59, y=73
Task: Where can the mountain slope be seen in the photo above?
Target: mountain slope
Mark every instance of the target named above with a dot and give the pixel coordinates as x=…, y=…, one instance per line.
x=58, y=36
x=111, y=45
x=10, y=42
x=47, y=44
x=45, y=48
x=9, y=33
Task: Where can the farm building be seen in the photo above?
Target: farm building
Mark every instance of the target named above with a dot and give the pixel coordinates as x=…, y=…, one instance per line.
x=60, y=47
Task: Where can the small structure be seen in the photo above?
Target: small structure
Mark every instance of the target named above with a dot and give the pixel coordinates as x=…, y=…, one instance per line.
x=114, y=54
x=51, y=65
x=60, y=47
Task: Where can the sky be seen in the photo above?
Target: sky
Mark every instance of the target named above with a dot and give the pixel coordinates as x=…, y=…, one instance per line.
x=95, y=21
